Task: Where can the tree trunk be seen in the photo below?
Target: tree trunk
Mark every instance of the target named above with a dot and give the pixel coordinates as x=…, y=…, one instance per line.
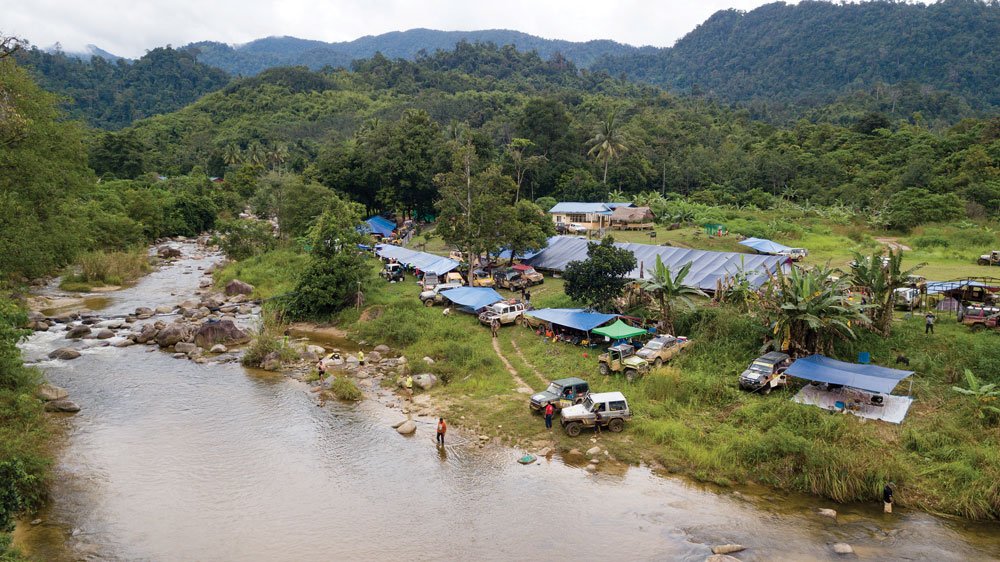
x=606, y=160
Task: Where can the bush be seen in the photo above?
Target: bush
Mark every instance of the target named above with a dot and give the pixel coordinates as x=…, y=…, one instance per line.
x=242, y=238
x=345, y=389
x=930, y=241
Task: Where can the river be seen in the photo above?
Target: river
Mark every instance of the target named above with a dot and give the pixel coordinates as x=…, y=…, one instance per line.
x=173, y=460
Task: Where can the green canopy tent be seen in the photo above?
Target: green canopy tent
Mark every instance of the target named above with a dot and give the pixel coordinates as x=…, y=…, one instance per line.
x=619, y=331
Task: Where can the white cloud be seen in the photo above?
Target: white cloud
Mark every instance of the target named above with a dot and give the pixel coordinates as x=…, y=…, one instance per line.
x=129, y=28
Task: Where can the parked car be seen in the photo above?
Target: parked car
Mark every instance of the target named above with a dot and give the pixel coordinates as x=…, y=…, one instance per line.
x=661, y=349
x=510, y=279
x=393, y=272
x=979, y=317
x=576, y=228
x=766, y=372
x=429, y=280
x=607, y=409
x=481, y=278
x=433, y=296
x=454, y=277
x=529, y=274
x=506, y=312
x=621, y=358
x=796, y=254
x=559, y=391
x=992, y=258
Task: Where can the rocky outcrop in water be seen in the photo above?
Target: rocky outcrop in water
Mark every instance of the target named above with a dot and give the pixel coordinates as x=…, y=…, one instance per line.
x=67, y=406
x=223, y=332
x=49, y=392
x=168, y=252
x=171, y=334
x=64, y=353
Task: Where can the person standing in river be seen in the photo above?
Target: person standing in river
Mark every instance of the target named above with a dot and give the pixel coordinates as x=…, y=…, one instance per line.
x=549, y=410
x=442, y=428
x=887, y=497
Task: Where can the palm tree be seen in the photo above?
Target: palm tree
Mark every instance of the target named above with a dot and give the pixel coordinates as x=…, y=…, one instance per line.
x=277, y=156
x=880, y=277
x=608, y=143
x=256, y=154
x=617, y=196
x=809, y=309
x=232, y=155
x=669, y=291
x=986, y=394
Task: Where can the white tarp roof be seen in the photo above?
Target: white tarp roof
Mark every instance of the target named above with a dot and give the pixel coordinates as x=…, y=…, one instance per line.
x=706, y=270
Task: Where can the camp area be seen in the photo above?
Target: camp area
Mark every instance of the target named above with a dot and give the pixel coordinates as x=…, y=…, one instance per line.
x=472, y=299
x=571, y=325
x=863, y=390
x=422, y=261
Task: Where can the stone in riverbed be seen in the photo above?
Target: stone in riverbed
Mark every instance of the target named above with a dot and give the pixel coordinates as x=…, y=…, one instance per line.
x=721, y=558
x=64, y=353
x=124, y=343
x=147, y=333
x=184, y=347
x=105, y=334
x=66, y=317
x=164, y=309
x=593, y=451
x=831, y=513
x=407, y=427
x=843, y=548
x=223, y=331
x=727, y=548
x=171, y=334
x=62, y=406
x=237, y=287
x=425, y=381
x=78, y=332
x=219, y=348
x=49, y=392
x=381, y=348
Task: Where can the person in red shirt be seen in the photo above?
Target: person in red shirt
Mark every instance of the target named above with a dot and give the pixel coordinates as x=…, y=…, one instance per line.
x=549, y=410
x=441, y=429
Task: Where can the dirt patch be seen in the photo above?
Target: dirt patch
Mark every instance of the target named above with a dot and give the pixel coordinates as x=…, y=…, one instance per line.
x=893, y=243
x=522, y=386
x=370, y=313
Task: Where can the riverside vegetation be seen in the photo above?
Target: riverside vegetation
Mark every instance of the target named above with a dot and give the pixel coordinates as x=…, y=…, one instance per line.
x=317, y=151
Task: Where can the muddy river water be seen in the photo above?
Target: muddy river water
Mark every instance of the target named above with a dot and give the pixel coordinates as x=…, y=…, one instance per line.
x=172, y=460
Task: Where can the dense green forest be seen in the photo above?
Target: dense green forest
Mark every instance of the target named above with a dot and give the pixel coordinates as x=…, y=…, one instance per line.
x=352, y=131
x=113, y=94
x=813, y=52
x=255, y=56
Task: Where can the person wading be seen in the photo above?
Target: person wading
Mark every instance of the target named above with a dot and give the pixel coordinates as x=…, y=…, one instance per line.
x=887, y=497
x=441, y=430
x=549, y=410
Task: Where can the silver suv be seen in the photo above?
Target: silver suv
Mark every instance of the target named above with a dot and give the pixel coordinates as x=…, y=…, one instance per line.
x=433, y=296
x=607, y=409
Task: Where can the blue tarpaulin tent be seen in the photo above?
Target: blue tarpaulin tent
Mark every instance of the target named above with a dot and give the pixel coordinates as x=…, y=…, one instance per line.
x=575, y=318
x=418, y=260
x=472, y=298
x=707, y=268
x=379, y=225
x=866, y=377
x=763, y=246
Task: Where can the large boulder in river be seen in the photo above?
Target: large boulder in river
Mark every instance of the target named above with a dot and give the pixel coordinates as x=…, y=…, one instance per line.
x=49, y=392
x=64, y=353
x=223, y=331
x=168, y=252
x=237, y=287
x=147, y=333
x=171, y=334
x=407, y=427
x=425, y=381
x=62, y=406
x=77, y=332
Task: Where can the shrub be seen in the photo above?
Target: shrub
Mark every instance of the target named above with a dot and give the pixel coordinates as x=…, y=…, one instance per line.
x=107, y=268
x=241, y=239
x=930, y=241
x=345, y=389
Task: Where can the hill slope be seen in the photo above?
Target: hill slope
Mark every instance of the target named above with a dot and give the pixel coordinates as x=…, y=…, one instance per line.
x=261, y=54
x=815, y=51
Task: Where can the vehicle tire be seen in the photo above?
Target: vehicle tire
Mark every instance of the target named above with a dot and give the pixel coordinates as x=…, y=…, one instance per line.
x=521, y=321
x=616, y=425
x=429, y=302
x=658, y=363
x=982, y=262
x=631, y=374
x=978, y=327
x=573, y=429
x=604, y=369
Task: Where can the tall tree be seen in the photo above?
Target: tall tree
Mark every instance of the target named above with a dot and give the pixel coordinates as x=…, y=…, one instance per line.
x=528, y=228
x=608, y=143
x=601, y=278
x=522, y=162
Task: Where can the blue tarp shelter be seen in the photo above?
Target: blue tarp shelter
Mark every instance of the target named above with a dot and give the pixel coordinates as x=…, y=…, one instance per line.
x=575, y=318
x=707, y=268
x=380, y=226
x=762, y=246
x=417, y=260
x=472, y=298
x=866, y=377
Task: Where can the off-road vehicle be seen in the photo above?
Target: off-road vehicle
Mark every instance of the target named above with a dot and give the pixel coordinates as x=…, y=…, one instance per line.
x=506, y=312
x=661, y=349
x=766, y=372
x=393, y=272
x=433, y=296
x=621, y=358
x=561, y=392
x=607, y=409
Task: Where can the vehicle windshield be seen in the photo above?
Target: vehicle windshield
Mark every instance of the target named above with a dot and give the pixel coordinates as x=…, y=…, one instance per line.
x=554, y=389
x=654, y=345
x=588, y=404
x=761, y=366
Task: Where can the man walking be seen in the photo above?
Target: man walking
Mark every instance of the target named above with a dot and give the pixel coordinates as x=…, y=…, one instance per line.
x=549, y=410
x=929, y=323
x=495, y=327
x=441, y=429
x=887, y=497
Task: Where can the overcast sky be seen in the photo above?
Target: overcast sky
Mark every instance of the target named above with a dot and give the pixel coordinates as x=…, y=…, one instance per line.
x=130, y=27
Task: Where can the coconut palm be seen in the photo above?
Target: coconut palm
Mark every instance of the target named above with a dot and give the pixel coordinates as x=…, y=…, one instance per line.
x=232, y=155
x=277, y=156
x=809, y=309
x=986, y=395
x=608, y=143
x=879, y=278
x=669, y=292
x=256, y=154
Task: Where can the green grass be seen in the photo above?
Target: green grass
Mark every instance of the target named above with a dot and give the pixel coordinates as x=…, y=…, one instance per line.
x=344, y=389
x=271, y=274
x=96, y=269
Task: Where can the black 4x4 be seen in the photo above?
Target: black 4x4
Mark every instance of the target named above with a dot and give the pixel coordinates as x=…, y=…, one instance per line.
x=572, y=390
x=766, y=372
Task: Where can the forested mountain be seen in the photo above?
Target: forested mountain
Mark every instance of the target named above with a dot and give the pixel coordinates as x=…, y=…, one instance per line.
x=113, y=94
x=380, y=134
x=269, y=52
x=813, y=52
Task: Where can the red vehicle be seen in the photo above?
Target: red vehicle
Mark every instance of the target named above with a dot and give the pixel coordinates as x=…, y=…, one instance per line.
x=980, y=317
x=528, y=273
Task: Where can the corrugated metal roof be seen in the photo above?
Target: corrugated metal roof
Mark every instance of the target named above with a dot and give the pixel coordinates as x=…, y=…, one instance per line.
x=707, y=267
x=571, y=207
x=419, y=260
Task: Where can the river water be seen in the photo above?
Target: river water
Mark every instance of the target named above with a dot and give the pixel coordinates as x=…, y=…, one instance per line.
x=172, y=460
